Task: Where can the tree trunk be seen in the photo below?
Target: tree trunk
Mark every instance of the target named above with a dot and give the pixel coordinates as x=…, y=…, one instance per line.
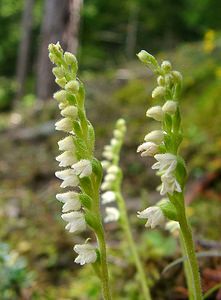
x=54, y=22
x=23, y=53
x=72, y=32
x=132, y=27
x=60, y=23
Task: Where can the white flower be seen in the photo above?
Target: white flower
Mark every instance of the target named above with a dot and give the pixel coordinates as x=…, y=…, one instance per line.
x=112, y=214
x=113, y=169
x=113, y=142
x=155, y=136
x=118, y=134
x=166, y=66
x=64, y=125
x=68, y=176
x=166, y=162
x=105, y=164
x=66, y=144
x=110, y=177
x=108, y=197
x=83, y=168
x=86, y=254
x=172, y=226
x=71, y=201
x=169, y=184
x=108, y=154
x=76, y=221
x=155, y=112
x=66, y=159
x=148, y=149
x=60, y=96
x=159, y=91
x=154, y=216
x=170, y=107
x=72, y=86
x=106, y=186
x=70, y=111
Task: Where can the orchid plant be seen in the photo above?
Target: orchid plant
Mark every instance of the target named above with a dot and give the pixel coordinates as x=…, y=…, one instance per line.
x=82, y=173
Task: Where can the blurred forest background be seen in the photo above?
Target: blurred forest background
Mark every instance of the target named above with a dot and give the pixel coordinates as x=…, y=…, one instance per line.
x=36, y=257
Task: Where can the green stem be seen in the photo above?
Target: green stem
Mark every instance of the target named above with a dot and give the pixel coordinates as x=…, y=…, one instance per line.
x=190, y=251
x=127, y=230
x=187, y=268
x=104, y=268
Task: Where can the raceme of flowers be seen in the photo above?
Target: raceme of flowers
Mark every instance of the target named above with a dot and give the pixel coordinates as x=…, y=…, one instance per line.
x=112, y=179
x=162, y=144
x=76, y=163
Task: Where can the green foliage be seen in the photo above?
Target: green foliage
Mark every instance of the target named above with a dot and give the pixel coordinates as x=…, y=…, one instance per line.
x=13, y=273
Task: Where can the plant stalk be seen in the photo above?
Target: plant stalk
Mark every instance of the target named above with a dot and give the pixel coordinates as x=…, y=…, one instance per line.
x=190, y=252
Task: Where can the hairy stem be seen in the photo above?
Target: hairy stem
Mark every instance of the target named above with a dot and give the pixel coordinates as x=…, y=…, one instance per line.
x=104, y=268
x=187, y=268
x=133, y=248
x=190, y=252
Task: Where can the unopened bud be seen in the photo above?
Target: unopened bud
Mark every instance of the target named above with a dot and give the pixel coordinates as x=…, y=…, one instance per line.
x=60, y=96
x=72, y=86
x=61, y=81
x=170, y=107
x=166, y=66
x=155, y=112
x=147, y=58
x=159, y=91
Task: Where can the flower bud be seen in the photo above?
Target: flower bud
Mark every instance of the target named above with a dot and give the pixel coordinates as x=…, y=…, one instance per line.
x=64, y=125
x=177, y=76
x=170, y=107
x=61, y=81
x=166, y=66
x=159, y=91
x=72, y=86
x=58, y=72
x=155, y=112
x=70, y=111
x=148, y=149
x=147, y=58
x=155, y=136
x=60, y=96
x=160, y=80
x=70, y=59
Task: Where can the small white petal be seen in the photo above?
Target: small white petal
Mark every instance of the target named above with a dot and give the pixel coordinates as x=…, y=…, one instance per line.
x=155, y=112
x=170, y=107
x=66, y=144
x=83, y=168
x=86, y=254
x=155, y=136
x=71, y=201
x=148, y=149
x=154, y=216
x=70, y=111
x=66, y=159
x=112, y=214
x=64, y=125
x=169, y=184
x=75, y=220
x=108, y=197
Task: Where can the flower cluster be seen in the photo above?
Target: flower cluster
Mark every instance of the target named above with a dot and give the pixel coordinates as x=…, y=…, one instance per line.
x=162, y=144
x=112, y=179
x=76, y=157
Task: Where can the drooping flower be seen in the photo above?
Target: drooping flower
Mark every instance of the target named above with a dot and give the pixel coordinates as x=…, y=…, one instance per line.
x=66, y=159
x=108, y=197
x=169, y=184
x=71, y=201
x=66, y=144
x=112, y=214
x=155, y=136
x=76, y=221
x=86, y=254
x=155, y=112
x=68, y=176
x=170, y=107
x=166, y=162
x=64, y=125
x=154, y=216
x=83, y=168
x=148, y=149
